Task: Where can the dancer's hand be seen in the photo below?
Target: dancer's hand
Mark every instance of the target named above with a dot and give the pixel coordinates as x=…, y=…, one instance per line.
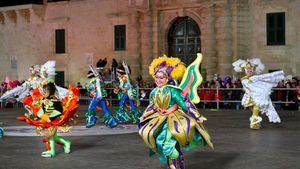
x=201, y=119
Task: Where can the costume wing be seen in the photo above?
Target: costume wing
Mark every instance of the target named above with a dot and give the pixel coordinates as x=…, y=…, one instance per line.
x=19, y=91
x=270, y=79
x=62, y=92
x=191, y=80
x=48, y=70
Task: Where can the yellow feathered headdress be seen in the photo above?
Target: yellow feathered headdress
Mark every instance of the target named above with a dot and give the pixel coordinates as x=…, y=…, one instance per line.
x=173, y=67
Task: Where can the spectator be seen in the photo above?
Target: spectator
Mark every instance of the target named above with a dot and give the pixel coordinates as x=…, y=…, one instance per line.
x=114, y=66
x=290, y=96
x=219, y=86
x=101, y=63
x=212, y=95
x=278, y=95
x=227, y=93
x=204, y=93
x=237, y=94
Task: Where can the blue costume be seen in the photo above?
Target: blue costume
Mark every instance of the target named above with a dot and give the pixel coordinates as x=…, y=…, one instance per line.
x=99, y=95
x=1, y=132
x=126, y=93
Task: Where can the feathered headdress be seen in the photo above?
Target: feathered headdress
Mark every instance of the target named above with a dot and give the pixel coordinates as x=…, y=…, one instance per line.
x=90, y=74
x=121, y=69
x=171, y=66
x=48, y=69
x=255, y=63
x=36, y=69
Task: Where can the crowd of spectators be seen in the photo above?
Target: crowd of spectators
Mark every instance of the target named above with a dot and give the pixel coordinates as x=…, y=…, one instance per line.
x=6, y=85
x=228, y=93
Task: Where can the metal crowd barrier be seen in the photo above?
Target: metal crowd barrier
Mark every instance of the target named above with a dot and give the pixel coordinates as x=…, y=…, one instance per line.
x=113, y=100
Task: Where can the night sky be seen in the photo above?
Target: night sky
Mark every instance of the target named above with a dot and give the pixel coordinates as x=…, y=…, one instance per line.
x=22, y=2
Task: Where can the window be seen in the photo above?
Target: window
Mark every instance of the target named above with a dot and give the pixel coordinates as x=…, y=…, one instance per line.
x=60, y=46
x=276, y=28
x=60, y=78
x=120, y=37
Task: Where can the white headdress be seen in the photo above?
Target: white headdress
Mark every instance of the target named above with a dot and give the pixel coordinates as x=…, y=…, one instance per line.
x=255, y=63
x=48, y=69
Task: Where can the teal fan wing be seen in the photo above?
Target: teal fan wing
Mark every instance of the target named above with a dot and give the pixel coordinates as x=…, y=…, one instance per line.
x=191, y=80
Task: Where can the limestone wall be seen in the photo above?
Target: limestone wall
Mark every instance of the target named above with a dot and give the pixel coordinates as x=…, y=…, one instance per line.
x=286, y=56
x=230, y=29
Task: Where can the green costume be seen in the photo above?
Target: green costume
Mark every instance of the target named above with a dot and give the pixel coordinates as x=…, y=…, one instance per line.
x=171, y=122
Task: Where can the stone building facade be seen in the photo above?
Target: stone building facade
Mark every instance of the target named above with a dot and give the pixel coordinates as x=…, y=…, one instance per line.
x=225, y=31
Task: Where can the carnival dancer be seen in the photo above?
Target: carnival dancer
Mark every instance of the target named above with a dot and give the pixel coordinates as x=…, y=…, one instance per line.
x=22, y=92
x=128, y=96
x=37, y=76
x=96, y=88
x=53, y=116
x=257, y=90
x=1, y=132
x=50, y=111
x=171, y=123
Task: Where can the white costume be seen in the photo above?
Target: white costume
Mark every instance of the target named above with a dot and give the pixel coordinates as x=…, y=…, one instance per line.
x=20, y=92
x=46, y=73
x=258, y=89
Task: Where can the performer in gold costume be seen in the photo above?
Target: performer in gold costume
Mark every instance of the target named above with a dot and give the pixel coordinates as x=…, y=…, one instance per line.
x=257, y=90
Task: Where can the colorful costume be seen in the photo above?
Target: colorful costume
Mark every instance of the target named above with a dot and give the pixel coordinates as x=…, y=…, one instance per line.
x=22, y=93
x=257, y=90
x=52, y=116
x=50, y=113
x=171, y=123
x=37, y=76
x=97, y=91
x=127, y=94
x=1, y=132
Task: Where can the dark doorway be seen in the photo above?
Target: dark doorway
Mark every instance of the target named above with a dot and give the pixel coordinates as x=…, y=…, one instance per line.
x=60, y=78
x=184, y=39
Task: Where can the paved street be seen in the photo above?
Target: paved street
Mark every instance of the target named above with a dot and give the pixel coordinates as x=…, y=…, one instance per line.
x=276, y=146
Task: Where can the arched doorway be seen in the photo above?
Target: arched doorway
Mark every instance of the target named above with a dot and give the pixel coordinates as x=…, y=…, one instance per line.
x=184, y=39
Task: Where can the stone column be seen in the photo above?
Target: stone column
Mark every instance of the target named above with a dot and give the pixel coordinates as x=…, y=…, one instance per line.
x=146, y=48
x=209, y=43
x=224, y=41
x=2, y=18
x=133, y=44
x=155, y=27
